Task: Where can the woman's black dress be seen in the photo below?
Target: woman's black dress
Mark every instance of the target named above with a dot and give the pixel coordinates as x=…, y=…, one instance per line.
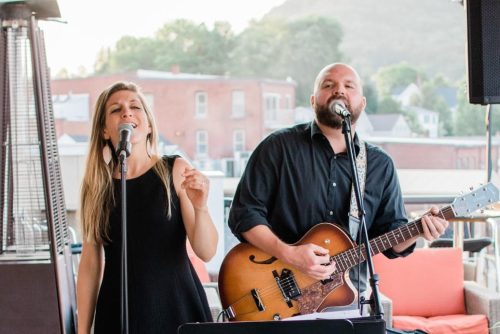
x=164, y=290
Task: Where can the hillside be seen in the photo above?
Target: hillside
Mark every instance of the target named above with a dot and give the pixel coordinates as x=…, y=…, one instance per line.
x=428, y=34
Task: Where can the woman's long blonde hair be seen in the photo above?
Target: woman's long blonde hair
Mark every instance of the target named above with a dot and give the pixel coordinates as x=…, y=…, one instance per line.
x=97, y=193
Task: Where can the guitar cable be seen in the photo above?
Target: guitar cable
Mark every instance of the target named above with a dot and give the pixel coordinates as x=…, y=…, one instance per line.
x=222, y=315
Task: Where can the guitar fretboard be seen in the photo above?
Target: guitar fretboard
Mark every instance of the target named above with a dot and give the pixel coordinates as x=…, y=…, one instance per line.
x=356, y=255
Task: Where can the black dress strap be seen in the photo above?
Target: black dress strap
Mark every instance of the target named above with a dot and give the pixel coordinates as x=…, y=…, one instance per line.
x=170, y=159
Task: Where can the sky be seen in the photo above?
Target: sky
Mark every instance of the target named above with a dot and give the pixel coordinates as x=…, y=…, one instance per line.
x=93, y=24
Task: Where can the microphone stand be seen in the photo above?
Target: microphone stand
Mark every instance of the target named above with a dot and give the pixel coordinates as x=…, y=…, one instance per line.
x=124, y=277
x=375, y=302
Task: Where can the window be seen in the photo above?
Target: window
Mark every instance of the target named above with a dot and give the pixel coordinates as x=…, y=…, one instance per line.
x=271, y=107
x=238, y=110
x=201, y=143
x=71, y=107
x=288, y=102
x=201, y=104
x=238, y=140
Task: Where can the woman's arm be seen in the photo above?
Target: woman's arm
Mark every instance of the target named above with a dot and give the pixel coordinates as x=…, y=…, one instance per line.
x=88, y=282
x=192, y=189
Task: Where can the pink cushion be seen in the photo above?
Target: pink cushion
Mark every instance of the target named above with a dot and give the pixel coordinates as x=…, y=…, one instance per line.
x=449, y=324
x=427, y=283
x=198, y=264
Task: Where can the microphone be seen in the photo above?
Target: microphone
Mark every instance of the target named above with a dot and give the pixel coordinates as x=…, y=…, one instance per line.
x=339, y=108
x=124, y=147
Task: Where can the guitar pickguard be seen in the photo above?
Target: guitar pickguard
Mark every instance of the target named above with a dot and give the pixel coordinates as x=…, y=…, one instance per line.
x=313, y=295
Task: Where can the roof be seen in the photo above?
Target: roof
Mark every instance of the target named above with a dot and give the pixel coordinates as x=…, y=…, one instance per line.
x=449, y=94
x=384, y=122
x=398, y=90
x=163, y=75
x=420, y=110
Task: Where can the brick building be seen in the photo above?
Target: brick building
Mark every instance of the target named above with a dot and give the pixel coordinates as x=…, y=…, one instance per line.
x=440, y=153
x=215, y=120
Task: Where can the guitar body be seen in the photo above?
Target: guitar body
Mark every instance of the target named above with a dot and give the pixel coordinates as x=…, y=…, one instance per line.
x=248, y=284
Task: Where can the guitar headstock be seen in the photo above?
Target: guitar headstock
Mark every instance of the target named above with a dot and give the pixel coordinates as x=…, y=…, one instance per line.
x=475, y=200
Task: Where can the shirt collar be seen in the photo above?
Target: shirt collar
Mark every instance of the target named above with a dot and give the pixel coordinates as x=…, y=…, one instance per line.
x=316, y=131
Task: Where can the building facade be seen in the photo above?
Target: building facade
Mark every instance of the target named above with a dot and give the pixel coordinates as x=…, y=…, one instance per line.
x=215, y=120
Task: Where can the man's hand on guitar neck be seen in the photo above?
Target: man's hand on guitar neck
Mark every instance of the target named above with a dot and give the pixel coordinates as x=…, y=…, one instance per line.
x=433, y=225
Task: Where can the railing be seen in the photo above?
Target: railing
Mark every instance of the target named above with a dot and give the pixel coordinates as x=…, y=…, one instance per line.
x=415, y=206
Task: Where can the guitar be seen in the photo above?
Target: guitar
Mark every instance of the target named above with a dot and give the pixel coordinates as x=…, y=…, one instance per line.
x=256, y=286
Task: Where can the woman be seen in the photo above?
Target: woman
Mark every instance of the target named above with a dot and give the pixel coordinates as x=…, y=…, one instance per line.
x=166, y=201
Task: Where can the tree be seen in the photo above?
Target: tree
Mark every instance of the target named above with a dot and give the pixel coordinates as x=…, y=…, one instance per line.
x=280, y=49
x=257, y=49
x=309, y=45
x=429, y=99
x=402, y=74
x=193, y=47
x=387, y=105
x=470, y=118
x=390, y=106
x=370, y=92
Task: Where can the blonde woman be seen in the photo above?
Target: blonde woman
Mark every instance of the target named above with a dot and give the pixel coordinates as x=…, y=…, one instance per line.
x=166, y=201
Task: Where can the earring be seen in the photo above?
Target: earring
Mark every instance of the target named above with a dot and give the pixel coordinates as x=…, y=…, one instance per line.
x=106, y=154
x=148, y=145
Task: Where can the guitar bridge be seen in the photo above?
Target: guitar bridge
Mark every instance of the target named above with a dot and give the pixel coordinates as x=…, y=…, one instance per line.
x=287, y=285
x=257, y=300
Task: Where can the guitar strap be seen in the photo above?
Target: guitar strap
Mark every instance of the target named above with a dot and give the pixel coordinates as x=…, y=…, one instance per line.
x=354, y=213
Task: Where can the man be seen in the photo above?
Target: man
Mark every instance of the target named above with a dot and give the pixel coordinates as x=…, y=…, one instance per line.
x=300, y=176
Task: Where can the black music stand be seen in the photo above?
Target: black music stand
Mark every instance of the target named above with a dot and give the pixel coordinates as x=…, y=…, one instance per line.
x=366, y=325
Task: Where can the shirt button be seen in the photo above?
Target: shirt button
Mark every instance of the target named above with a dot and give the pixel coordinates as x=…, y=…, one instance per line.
x=331, y=213
x=335, y=157
x=334, y=184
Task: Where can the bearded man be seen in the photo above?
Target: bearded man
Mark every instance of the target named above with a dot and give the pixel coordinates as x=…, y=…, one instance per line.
x=300, y=176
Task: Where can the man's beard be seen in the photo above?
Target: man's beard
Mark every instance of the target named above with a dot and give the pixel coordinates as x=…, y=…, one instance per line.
x=331, y=119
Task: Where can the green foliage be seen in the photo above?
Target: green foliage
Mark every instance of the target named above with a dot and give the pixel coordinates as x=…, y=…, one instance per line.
x=429, y=99
x=257, y=48
x=309, y=45
x=402, y=74
x=193, y=47
x=281, y=49
x=388, y=105
x=470, y=118
x=412, y=120
x=275, y=49
x=370, y=92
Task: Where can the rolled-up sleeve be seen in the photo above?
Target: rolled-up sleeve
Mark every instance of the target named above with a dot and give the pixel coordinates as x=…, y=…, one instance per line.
x=255, y=193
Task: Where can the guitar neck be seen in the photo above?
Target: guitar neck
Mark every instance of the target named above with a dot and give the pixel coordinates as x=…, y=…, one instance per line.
x=356, y=255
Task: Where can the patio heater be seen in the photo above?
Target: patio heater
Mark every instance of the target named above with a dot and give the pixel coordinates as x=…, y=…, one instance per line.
x=37, y=287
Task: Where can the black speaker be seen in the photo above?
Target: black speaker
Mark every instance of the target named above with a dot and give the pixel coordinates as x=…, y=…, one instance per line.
x=483, y=51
